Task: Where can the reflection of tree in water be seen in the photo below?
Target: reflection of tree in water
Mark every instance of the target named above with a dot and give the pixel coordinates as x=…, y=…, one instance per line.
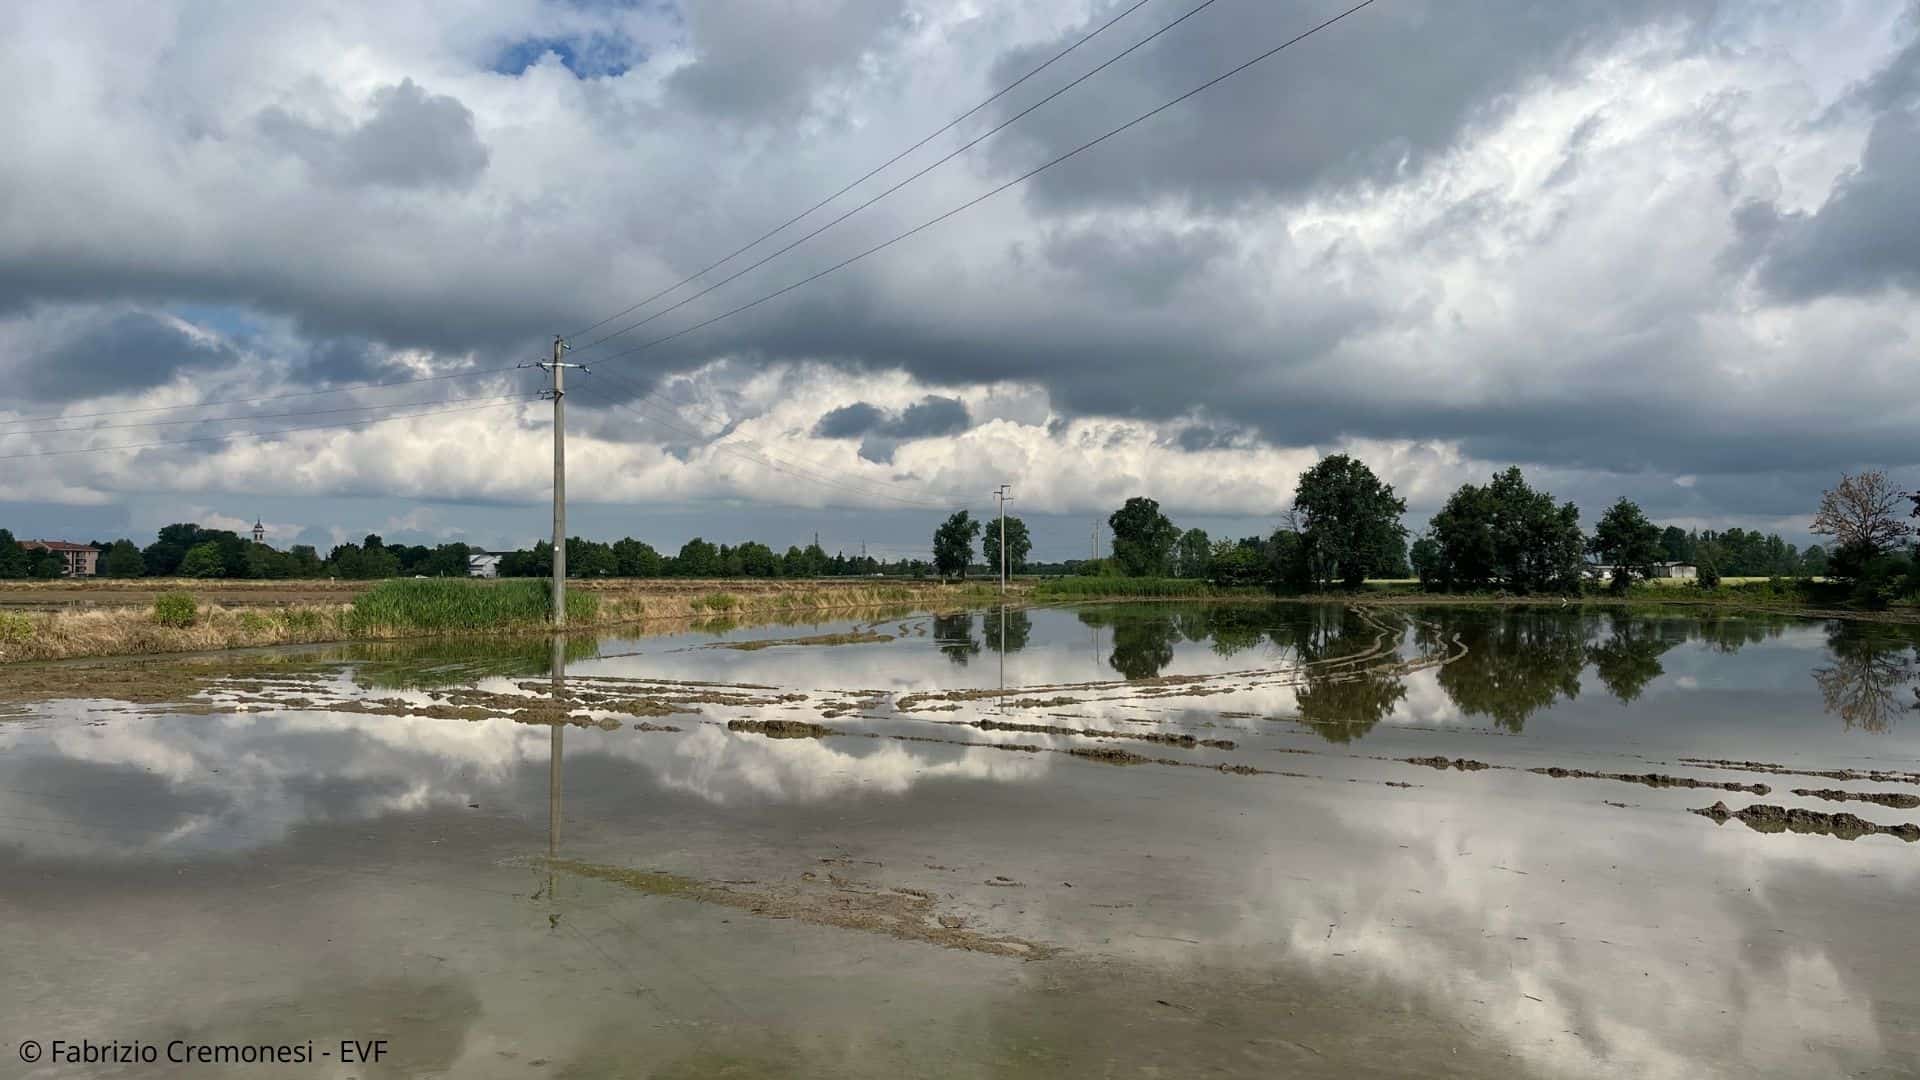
x=1517, y=663
x=1340, y=702
x=1143, y=638
x=1142, y=648
x=1629, y=658
x=954, y=635
x=1235, y=629
x=1865, y=681
x=1019, y=626
x=1729, y=634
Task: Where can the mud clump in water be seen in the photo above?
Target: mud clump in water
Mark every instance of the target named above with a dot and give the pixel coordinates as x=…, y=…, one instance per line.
x=1652, y=780
x=1767, y=818
x=1108, y=755
x=1897, y=800
x=1439, y=762
x=907, y=914
x=782, y=729
x=1180, y=739
x=1875, y=775
x=861, y=637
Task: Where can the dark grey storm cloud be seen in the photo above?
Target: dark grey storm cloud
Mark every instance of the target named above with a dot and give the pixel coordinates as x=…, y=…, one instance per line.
x=1367, y=99
x=339, y=360
x=1866, y=236
x=127, y=353
x=413, y=139
x=882, y=432
x=850, y=421
x=928, y=418
x=758, y=58
x=1135, y=266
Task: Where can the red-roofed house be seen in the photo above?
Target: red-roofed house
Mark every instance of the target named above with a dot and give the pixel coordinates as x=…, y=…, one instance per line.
x=83, y=560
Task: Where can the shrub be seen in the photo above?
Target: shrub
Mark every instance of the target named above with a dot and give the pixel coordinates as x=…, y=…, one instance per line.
x=436, y=604
x=1881, y=581
x=253, y=622
x=175, y=609
x=15, y=629
x=301, y=620
x=1077, y=587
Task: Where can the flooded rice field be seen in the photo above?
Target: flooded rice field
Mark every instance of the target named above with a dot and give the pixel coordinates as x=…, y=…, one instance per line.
x=1116, y=840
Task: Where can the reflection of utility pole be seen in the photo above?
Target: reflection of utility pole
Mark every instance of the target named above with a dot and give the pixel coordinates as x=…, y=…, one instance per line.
x=559, y=394
x=555, y=754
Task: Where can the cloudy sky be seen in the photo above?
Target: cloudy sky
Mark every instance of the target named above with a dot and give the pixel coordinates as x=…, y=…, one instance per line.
x=1666, y=250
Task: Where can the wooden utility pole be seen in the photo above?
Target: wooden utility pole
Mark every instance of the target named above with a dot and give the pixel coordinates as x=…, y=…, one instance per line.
x=557, y=367
x=1003, y=497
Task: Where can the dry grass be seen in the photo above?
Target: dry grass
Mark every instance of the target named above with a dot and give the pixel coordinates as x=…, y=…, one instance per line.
x=125, y=629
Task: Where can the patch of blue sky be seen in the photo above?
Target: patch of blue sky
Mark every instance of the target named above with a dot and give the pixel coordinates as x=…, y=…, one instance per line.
x=596, y=56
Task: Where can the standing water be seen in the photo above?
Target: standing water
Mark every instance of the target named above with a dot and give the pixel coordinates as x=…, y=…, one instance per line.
x=1154, y=840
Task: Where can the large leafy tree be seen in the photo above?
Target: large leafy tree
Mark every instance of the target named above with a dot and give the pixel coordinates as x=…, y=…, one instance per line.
x=44, y=564
x=1018, y=545
x=697, y=558
x=203, y=561
x=1627, y=541
x=1193, y=554
x=1425, y=557
x=123, y=560
x=1507, y=535
x=1143, y=538
x=1349, y=520
x=635, y=558
x=953, y=544
x=13, y=558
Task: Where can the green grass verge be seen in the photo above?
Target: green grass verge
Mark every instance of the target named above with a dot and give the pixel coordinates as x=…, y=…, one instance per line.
x=1082, y=588
x=435, y=605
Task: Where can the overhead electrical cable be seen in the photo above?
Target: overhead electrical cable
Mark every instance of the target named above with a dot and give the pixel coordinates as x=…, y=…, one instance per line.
x=977, y=200
x=350, y=388
x=963, y=148
x=869, y=174
x=258, y=434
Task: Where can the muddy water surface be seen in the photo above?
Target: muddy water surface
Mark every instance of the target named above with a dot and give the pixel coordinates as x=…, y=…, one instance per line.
x=1111, y=841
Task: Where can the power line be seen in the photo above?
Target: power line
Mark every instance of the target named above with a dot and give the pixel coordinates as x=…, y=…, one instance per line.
x=963, y=148
x=255, y=416
x=257, y=434
x=870, y=174
x=256, y=400
x=977, y=200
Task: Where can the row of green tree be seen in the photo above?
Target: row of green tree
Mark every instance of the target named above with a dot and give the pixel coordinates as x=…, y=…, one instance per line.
x=701, y=558
x=1345, y=526
x=190, y=550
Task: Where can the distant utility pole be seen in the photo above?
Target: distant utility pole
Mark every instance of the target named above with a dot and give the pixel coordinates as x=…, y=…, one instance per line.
x=557, y=367
x=1004, y=499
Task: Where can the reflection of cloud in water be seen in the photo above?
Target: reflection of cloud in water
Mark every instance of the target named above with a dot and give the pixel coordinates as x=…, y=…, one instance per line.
x=721, y=767
x=1599, y=980
x=237, y=781
x=243, y=780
